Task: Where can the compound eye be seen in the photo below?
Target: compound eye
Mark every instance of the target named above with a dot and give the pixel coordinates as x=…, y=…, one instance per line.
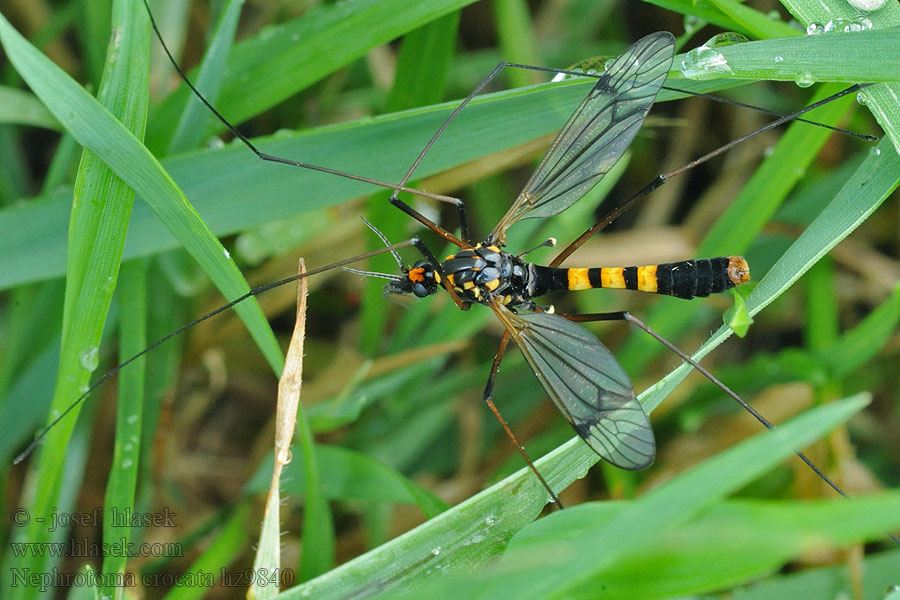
x=422, y=263
x=420, y=290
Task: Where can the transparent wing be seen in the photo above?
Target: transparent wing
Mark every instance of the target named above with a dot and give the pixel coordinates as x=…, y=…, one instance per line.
x=587, y=384
x=597, y=133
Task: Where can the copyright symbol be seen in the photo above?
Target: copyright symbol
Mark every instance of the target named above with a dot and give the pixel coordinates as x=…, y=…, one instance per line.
x=20, y=517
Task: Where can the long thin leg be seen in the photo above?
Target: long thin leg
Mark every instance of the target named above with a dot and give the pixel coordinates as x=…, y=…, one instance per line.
x=775, y=113
x=462, y=242
x=489, y=400
x=627, y=316
x=460, y=206
x=661, y=179
x=253, y=292
x=277, y=159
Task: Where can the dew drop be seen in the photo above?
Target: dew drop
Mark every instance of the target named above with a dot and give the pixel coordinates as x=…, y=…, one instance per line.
x=874, y=152
x=815, y=29
x=779, y=59
x=489, y=520
x=132, y=419
x=126, y=464
x=89, y=358
x=805, y=80
x=705, y=62
x=436, y=551
x=861, y=98
x=840, y=25
x=227, y=253
x=729, y=38
x=84, y=389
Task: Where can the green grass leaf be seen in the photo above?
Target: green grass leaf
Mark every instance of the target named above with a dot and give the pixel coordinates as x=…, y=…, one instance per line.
x=96, y=129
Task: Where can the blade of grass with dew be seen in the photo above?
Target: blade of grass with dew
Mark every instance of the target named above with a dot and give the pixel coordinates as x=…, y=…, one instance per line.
x=120, y=487
x=477, y=529
x=590, y=551
x=859, y=57
x=880, y=99
x=99, y=222
x=95, y=128
x=692, y=559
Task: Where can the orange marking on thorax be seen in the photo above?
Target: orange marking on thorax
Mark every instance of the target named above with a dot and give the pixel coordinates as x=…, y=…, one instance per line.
x=578, y=279
x=416, y=275
x=611, y=277
x=646, y=278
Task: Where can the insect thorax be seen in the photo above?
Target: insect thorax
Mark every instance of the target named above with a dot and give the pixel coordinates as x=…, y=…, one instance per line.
x=484, y=272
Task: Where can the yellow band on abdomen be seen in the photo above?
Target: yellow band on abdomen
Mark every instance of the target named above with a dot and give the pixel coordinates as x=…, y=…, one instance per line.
x=578, y=279
x=646, y=279
x=611, y=277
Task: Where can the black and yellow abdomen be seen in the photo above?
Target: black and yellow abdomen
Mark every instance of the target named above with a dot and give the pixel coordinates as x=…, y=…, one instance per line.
x=686, y=279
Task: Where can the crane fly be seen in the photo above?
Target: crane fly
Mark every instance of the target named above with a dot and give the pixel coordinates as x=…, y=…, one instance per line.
x=582, y=378
x=580, y=375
